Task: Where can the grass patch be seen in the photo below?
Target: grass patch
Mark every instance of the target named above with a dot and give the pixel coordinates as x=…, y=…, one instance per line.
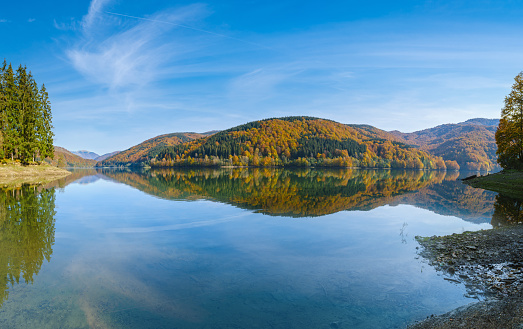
x=13, y=174
x=507, y=182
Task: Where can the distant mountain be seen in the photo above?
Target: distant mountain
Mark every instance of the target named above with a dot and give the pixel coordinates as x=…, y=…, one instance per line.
x=86, y=154
x=144, y=151
x=105, y=156
x=471, y=143
x=295, y=141
x=65, y=158
x=484, y=122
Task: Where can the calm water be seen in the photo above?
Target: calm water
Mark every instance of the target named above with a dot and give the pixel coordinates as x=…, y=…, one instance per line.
x=232, y=248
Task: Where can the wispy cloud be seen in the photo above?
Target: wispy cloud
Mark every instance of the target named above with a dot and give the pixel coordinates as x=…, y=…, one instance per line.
x=258, y=84
x=31, y=20
x=3, y=20
x=134, y=55
x=93, y=15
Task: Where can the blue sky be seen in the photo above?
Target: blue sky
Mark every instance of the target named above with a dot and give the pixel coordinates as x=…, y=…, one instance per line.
x=119, y=72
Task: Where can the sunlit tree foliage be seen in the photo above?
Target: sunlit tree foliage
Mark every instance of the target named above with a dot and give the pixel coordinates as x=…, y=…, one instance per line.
x=509, y=136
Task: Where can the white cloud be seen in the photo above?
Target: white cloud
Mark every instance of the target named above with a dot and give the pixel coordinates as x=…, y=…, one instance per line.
x=93, y=15
x=31, y=20
x=132, y=56
x=3, y=20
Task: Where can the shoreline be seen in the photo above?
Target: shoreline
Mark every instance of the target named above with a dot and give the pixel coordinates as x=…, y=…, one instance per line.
x=15, y=174
x=490, y=265
x=506, y=182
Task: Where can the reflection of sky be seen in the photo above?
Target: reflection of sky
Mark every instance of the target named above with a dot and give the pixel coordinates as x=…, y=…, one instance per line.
x=123, y=256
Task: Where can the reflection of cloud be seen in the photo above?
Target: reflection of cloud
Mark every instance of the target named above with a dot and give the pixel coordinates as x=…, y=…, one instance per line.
x=110, y=280
x=175, y=227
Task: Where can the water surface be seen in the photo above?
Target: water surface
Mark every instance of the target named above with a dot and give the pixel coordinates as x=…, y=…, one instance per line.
x=231, y=248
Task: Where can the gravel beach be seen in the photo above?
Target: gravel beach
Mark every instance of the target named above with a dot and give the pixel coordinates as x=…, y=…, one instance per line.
x=490, y=265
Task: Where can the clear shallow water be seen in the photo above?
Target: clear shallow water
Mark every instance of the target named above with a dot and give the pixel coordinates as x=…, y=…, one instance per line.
x=234, y=249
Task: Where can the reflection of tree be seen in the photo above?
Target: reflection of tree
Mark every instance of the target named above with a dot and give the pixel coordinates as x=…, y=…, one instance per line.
x=273, y=191
x=507, y=211
x=27, y=227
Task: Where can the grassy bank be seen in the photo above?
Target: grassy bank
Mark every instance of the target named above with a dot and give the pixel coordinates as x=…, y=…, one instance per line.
x=16, y=174
x=507, y=182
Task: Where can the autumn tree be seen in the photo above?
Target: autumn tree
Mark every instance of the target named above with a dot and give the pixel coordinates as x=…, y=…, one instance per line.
x=509, y=136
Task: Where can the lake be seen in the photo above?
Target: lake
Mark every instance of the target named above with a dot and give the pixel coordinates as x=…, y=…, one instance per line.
x=232, y=248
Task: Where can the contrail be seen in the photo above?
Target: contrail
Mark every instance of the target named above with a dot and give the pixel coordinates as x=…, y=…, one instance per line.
x=189, y=28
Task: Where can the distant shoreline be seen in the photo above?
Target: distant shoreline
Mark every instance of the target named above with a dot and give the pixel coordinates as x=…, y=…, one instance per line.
x=16, y=174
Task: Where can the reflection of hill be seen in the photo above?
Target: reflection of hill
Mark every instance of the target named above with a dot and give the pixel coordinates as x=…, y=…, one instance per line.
x=315, y=192
x=27, y=227
x=453, y=198
x=85, y=175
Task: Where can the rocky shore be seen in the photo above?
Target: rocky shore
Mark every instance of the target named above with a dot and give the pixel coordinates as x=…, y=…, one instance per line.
x=490, y=265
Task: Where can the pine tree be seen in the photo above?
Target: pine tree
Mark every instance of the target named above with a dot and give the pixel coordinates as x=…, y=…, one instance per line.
x=45, y=126
x=3, y=69
x=25, y=116
x=10, y=119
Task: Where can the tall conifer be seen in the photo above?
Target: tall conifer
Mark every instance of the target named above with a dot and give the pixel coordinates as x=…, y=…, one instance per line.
x=25, y=116
x=10, y=118
x=45, y=127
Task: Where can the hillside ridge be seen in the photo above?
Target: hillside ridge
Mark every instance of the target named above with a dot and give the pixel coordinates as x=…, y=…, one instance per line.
x=470, y=143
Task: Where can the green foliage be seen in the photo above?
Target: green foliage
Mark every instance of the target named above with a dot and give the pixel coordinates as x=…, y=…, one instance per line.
x=25, y=117
x=331, y=147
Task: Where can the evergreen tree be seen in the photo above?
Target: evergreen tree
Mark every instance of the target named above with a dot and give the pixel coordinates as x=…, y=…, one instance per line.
x=509, y=136
x=10, y=120
x=25, y=116
x=3, y=69
x=45, y=126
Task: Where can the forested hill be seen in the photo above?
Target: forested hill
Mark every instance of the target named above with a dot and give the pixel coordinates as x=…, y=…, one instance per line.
x=65, y=158
x=471, y=143
x=143, y=152
x=296, y=141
